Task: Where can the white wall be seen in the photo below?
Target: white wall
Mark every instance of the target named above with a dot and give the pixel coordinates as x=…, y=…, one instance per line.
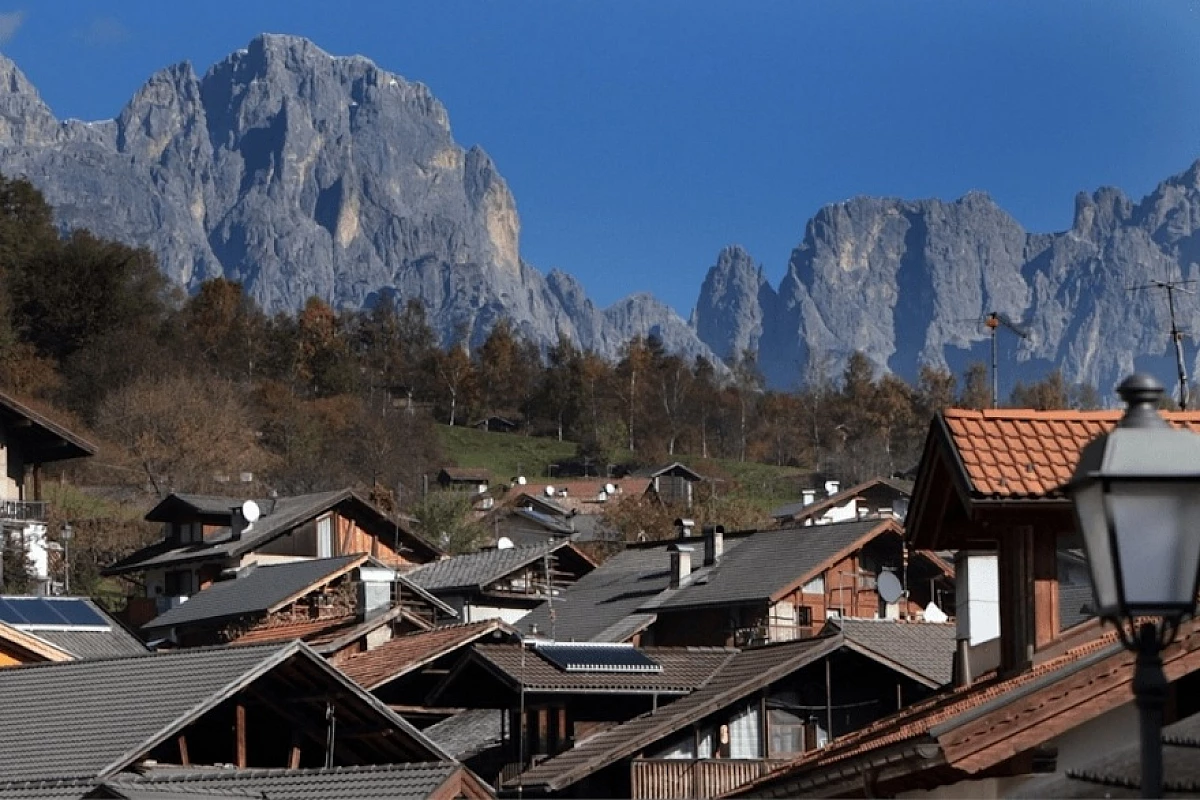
x=977, y=596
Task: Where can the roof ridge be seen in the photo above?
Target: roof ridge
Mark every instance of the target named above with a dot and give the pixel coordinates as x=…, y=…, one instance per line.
x=202, y=773
x=174, y=653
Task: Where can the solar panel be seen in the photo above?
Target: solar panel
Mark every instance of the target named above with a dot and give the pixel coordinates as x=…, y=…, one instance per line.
x=597, y=657
x=45, y=613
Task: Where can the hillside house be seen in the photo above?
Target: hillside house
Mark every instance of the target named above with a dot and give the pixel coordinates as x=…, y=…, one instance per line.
x=503, y=583
x=339, y=606
x=205, y=535
x=762, y=706
x=745, y=588
x=1043, y=698
x=878, y=497
x=674, y=484
x=471, y=480
x=29, y=440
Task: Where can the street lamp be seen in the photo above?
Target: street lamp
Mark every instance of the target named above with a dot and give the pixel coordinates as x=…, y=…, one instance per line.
x=65, y=533
x=1136, y=493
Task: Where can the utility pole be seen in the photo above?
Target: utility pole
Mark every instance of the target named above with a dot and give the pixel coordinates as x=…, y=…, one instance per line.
x=1171, y=288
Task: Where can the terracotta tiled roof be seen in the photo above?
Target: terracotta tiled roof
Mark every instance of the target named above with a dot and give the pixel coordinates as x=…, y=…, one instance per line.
x=403, y=653
x=309, y=630
x=1020, y=453
x=582, y=494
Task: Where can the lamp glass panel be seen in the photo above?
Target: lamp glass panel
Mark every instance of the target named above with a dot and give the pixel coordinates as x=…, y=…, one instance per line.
x=1093, y=525
x=1157, y=530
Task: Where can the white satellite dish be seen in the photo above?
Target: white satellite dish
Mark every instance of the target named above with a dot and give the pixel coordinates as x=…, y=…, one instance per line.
x=520, y=480
x=608, y=487
x=888, y=586
x=935, y=614
x=250, y=511
x=549, y=491
x=504, y=543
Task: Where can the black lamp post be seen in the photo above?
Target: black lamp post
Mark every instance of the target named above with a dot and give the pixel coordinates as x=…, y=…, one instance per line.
x=1137, y=501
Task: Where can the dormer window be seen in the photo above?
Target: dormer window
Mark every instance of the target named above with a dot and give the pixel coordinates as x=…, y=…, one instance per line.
x=188, y=532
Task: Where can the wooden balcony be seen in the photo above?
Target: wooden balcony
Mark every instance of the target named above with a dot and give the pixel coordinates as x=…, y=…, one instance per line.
x=672, y=779
x=775, y=632
x=22, y=511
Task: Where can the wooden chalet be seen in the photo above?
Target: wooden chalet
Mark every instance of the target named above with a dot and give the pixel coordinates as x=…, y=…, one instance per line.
x=1050, y=699
x=553, y=694
x=761, y=707
x=744, y=588
x=204, y=535
x=673, y=484
x=503, y=583
x=340, y=606
x=472, y=480
x=273, y=707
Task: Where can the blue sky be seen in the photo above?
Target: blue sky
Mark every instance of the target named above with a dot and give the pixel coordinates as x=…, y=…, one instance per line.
x=640, y=137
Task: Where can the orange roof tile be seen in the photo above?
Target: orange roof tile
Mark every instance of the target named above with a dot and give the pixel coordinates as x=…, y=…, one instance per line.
x=1014, y=453
x=401, y=654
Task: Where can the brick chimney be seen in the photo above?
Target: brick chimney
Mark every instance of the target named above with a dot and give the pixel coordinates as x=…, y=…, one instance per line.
x=681, y=564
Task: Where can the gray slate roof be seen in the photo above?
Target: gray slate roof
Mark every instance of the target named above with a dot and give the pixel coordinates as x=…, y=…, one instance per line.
x=923, y=649
x=399, y=781
x=468, y=732
x=477, y=570
x=765, y=564
x=88, y=719
x=259, y=590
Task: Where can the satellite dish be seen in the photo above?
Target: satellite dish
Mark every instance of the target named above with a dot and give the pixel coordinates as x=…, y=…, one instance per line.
x=549, y=491
x=504, y=543
x=610, y=489
x=888, y=586
x=251, y=511
x=934, y=614
x=520, y=480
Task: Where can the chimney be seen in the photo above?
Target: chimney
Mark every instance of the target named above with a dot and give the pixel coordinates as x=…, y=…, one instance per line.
x=832, y=488
x=685, y=526
x=809, y=495
x=374, y=589
x=976, y=609
x=681, y=564
x=714, y=544
x=237, y=523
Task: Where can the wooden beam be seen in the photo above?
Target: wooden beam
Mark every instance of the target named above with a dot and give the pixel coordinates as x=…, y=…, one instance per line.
x=294, y=753
x=1045, y=587
x=240, y=735
x=183, y=751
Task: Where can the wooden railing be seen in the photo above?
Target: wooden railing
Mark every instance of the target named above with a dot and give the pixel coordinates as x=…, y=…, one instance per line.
x=675, y=779
x=765, y=634
x=23, y=510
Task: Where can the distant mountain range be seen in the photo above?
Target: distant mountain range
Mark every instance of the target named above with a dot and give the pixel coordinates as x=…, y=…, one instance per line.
x=299, y=174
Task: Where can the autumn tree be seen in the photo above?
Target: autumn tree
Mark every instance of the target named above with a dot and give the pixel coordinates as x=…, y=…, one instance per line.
x=224, y=328
x=1051, y=392
x=182, y=432
x=977, y=387
x=446, y=519
x=456, y=379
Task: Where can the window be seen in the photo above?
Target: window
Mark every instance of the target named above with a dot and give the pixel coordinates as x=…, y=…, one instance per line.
x=744, y=734
x=188, y=532
x=325, y=537
x=786, y=733
x=804, y=616
x=178, y=582
x=815, y=586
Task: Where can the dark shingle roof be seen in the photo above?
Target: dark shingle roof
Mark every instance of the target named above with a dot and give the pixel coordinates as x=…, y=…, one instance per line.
x=767, y=563
x=84, y=643
x=87, y=719
x=683, y=669
x=923, y=649
x=260, y=589
x=41, y=439
x=605, y=596
x=740, y=676
x=399, y=781
x=469, y=732
x=477, y=570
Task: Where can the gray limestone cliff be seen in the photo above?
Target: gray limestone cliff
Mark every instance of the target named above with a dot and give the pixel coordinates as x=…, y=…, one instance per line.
x=300, y=174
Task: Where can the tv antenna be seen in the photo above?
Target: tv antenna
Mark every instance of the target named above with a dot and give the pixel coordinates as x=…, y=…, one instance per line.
x=994, y=322
x=1171, y=288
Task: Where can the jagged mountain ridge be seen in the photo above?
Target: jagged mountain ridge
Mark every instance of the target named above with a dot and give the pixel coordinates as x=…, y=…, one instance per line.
x=907, y=283
x=299, y=174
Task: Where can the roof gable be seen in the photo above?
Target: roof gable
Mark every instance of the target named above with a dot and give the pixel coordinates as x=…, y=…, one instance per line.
x=94, y=718
x=41, y=439
x=475, y=571
x=403, y=654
